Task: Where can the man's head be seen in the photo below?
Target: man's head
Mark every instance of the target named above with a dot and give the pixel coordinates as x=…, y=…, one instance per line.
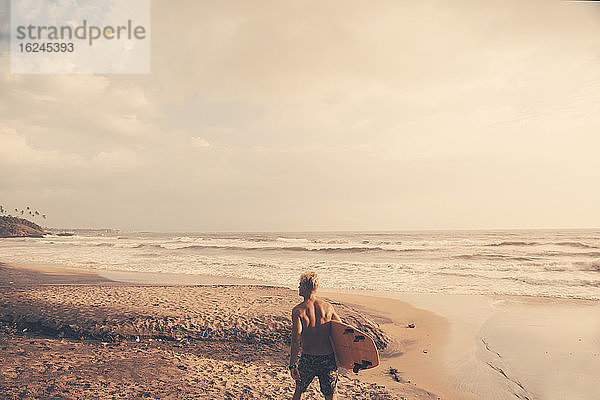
x=309, y=283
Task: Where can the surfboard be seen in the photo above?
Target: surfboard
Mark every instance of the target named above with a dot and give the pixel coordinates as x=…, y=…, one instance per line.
x=353, y=349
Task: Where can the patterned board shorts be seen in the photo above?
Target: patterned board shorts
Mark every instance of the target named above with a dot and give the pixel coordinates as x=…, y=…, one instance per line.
x=323, y=366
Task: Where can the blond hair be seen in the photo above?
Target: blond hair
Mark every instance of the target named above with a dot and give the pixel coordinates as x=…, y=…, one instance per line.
x=309, y=281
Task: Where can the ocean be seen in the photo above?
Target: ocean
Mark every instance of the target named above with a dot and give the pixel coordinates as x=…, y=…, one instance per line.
x=546, y=263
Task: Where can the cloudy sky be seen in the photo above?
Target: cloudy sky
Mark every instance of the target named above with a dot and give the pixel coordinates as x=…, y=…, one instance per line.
x=312, y=115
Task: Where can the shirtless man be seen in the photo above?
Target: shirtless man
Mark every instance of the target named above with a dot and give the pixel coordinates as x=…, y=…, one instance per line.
x=310, y=322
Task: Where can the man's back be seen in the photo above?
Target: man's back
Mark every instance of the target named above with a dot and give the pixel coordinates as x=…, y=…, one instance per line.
x=311, y=324
x=315, y=315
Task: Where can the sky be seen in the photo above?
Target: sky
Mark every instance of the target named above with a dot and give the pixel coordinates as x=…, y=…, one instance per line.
x=312, y=115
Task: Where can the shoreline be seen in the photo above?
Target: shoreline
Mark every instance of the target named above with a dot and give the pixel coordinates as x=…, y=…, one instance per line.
x=491, y=344
x=87, y=306
x=416, y=351
x=477, y=346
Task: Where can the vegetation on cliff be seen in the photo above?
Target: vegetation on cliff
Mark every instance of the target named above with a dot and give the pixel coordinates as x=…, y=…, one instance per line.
x=19, y=227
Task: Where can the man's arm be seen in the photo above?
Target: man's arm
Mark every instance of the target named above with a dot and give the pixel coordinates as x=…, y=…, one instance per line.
x=334, y=316
x=296, y=331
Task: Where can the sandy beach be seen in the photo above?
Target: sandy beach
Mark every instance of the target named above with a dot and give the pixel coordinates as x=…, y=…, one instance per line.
x=70, y=335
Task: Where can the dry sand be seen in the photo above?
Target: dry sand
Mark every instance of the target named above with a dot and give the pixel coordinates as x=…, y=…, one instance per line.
x=70, y=335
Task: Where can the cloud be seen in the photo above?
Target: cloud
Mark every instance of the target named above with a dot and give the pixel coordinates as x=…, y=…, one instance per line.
x=83, y=114
x=15, y=152
x=199, y=142
x=321, y=115
x=289, y=51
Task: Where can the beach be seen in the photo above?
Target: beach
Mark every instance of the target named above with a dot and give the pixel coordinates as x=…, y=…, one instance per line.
x=69, y=334
x=72, y=334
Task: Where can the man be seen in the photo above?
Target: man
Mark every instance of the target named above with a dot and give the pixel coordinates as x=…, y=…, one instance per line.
x=311, y=323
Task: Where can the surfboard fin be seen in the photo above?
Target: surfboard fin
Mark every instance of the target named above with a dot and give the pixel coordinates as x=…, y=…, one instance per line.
x=364, y=365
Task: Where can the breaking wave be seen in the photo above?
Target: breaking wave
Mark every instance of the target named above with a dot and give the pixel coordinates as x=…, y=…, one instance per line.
x=554, y=263
x=580, y=245
x=577, y=244
x=480, y=256
x=514, y=243
x=299, y=249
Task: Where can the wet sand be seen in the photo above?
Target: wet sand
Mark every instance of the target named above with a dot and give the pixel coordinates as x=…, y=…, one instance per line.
x=416, y=350
x=519, y=347
x=70, y=335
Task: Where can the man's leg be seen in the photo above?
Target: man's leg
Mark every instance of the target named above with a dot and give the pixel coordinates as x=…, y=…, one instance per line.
x=328, y=377
x=298, y=392
x=328, y=386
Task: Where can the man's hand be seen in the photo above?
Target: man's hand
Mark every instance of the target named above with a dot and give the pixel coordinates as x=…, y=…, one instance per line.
x=294, y=372
x=295, y=343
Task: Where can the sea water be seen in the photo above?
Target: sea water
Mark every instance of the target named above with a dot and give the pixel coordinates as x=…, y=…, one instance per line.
x=549, y=263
